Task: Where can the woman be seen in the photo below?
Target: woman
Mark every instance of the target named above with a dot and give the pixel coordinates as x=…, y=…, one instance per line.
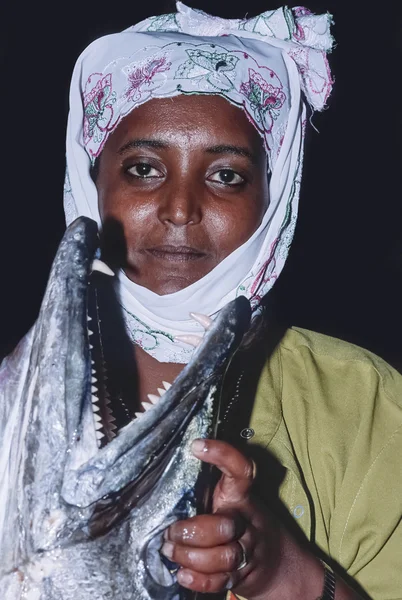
x=196, y=191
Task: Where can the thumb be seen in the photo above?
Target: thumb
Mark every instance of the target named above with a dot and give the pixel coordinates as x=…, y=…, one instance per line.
x=238, y=472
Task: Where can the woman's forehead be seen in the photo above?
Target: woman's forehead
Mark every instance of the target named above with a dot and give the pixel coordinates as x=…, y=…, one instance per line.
x=209, y=116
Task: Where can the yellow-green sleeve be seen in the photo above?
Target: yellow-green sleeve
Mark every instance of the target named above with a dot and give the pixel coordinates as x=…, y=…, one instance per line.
x=335, y=424
x=366, y=525
x=350, y=406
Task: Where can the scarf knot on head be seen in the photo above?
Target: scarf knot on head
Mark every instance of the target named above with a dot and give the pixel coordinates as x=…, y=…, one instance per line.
x=305, y=36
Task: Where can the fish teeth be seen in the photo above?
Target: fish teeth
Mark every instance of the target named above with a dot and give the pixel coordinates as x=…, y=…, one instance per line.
x=97, y=418
x=94, y=389
x=153, y=398
x=166, y=385
x=110, y=418
x=99, y=436
x=138, y=415
x=161, y=392
x=98, y=424
x=99, y=265
x=146, y=405
x=190, y=339
x=93, y=379
x=203, y=320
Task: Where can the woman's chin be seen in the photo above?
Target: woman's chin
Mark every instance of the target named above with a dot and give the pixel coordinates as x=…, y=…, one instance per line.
x=171, y=286
x=167, y=284
x=169, y=277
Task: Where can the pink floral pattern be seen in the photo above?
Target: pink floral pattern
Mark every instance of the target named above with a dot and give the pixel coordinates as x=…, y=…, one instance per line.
x=98, y=110
x=316, y=83
x=265, y=97
x=300, y=11
x=143, y=75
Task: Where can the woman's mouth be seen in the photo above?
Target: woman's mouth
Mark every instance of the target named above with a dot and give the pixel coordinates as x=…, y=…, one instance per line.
x=175, y=253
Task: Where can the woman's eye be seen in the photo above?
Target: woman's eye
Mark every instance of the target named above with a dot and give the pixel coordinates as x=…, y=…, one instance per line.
x=227, y=177
x=144, y=171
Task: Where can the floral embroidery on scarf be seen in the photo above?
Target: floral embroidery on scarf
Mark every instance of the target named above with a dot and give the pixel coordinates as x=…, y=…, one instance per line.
x=254, y=286
x=141, y=333
x=300, y=11
x=314, y=82
x=266, y=273
x=163, y=23
x=98, y=111
x=272, y=23
x=140, y=75
x=264, y=97
x=212, y=66
x=146, y=337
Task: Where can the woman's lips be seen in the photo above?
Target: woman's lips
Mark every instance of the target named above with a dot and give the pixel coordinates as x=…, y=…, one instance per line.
x=175, y=253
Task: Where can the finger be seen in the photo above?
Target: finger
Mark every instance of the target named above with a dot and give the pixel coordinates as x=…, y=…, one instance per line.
x=206, y=584
x=238, y=470
x=220, y=559
x=204, y=531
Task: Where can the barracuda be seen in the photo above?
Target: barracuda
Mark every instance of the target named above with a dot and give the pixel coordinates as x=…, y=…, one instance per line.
x=77, y=521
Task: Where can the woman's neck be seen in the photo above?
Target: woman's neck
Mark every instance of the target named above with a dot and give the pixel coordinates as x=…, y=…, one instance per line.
x=151, y=374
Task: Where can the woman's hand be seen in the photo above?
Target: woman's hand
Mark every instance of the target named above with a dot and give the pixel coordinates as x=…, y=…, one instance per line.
x=240, y=546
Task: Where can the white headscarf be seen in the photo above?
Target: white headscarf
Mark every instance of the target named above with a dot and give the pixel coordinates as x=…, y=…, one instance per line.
x=261, y=65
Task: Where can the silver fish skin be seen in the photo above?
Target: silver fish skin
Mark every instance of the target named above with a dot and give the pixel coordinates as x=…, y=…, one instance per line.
x=78, y=522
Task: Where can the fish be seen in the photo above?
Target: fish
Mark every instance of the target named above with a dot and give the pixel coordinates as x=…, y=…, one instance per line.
x=79, y=520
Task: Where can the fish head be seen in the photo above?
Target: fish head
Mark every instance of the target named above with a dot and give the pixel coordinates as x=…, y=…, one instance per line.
x=72, y=492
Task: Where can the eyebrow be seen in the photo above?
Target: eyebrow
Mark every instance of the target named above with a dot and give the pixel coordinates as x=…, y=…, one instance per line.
x=143, y=143
x=161, y=145
x=237, y=150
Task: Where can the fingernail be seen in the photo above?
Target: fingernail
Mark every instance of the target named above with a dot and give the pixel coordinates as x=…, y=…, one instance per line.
x=229, y=583
x=167, y=549
x=198, y=446
x=184, y=577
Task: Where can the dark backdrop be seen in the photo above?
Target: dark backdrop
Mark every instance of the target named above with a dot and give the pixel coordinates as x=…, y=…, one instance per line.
x=344, y=273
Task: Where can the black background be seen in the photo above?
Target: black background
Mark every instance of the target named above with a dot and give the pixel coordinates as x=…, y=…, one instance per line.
x=344, y=273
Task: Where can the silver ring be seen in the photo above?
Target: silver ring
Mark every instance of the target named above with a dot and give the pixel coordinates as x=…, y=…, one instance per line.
x=244, y=559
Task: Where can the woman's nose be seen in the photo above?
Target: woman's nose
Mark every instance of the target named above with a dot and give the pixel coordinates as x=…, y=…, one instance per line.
x=180, y=203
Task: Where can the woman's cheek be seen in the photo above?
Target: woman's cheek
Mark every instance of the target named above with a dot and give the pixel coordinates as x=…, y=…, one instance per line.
x=231, y=228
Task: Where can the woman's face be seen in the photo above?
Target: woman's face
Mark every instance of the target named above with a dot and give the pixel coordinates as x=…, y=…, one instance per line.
x=184, y=179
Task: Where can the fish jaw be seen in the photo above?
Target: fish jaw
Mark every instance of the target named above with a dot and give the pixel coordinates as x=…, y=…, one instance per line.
x=56, y=388
x=124, y=459
x=114, y=483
